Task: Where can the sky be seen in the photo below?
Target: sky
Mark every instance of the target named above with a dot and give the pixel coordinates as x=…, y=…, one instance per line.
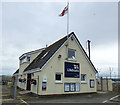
x=27, y=26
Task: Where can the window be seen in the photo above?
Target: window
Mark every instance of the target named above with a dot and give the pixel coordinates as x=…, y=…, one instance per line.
x=25, y=59
x=66, y=87
x=28, y=58
x=71, y=87
x=58, y=77
x=83, y=77
x=77, y=86
x=71, y=54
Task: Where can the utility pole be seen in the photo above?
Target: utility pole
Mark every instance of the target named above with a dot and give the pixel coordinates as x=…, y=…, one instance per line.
x=110, y=69
x=99, y=72
x=114, y=75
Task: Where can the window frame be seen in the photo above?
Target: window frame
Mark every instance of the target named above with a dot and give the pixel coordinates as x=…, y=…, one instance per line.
x=25, y=59
x=83, y=81
x=59, y=81
x=72, y=87
x=68, y=54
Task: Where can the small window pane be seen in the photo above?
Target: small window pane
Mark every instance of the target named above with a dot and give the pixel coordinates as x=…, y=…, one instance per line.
x=67, y=87
x=28, y=58
x=77, y=86
x=72, y=87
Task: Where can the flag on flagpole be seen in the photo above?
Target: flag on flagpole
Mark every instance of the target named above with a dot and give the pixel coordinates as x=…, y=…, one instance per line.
x=65, y=11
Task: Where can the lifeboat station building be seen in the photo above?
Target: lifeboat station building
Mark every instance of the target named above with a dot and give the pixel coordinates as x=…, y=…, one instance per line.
x=61, y=68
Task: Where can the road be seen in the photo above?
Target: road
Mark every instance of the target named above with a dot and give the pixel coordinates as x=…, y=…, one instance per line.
x=27, y=99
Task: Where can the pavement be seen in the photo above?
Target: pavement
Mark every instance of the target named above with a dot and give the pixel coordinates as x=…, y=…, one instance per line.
x=29, y=98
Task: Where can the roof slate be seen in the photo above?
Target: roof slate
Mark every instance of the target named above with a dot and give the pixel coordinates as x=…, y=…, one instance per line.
x=48, y=52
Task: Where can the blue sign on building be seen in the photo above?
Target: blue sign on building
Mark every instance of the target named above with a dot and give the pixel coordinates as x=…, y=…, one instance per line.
x=72, y=70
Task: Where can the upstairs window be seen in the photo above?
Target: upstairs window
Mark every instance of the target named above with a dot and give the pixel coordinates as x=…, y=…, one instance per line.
x=28, y=58
x=25, y=59
x=83, y=77
x=71, y=54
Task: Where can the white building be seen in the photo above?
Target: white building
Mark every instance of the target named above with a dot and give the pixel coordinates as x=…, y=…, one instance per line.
x=61, y=68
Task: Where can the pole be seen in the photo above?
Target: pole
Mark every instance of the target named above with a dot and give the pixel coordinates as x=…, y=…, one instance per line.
x=15, y=87
x=107, y=83
x=38, y=85
x=68, y=20
x=101, y=84
x=110, y=71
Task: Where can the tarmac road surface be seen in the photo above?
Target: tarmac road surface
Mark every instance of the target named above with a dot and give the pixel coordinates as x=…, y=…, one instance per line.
x=27, y=99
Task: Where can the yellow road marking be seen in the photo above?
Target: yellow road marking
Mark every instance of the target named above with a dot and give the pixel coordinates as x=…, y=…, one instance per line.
x=18, y=96
x=4, y=92
x=6, y=99
x=3, y=95
x=24, y=101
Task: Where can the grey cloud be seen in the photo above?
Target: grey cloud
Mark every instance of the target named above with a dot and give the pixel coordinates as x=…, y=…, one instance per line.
x=29, y=26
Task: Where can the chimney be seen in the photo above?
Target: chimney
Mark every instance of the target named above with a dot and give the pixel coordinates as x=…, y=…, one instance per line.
x=88, y=47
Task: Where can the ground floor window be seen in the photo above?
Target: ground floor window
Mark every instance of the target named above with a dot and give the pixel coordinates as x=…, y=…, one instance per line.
x=58, y=77
x=71, y=87
x=83, y=77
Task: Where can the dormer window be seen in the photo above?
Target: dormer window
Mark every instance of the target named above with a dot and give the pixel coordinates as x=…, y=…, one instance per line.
x=25, y=59
x=28, y=58
x=71, y=54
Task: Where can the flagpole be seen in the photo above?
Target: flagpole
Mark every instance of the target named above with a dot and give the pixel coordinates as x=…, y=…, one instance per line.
x=68, y=20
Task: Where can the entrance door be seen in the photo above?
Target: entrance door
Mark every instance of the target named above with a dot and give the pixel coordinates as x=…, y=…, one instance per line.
x=28, y=82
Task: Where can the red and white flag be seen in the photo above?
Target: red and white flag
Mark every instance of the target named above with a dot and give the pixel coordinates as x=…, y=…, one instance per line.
x=65, y=11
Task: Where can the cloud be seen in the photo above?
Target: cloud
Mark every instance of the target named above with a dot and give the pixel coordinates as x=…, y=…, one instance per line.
x=104, y=57
x=28, y=26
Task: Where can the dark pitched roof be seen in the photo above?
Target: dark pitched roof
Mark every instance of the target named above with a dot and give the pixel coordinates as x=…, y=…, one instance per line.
x=48, y=52
x=17, y=71
x=39, y=61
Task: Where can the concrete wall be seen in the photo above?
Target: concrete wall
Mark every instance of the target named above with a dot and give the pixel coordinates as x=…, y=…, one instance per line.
x=104, y=85
x=57, y=66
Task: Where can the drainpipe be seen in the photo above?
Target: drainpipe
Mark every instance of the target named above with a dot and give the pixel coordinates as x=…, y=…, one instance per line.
x=88, y=47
